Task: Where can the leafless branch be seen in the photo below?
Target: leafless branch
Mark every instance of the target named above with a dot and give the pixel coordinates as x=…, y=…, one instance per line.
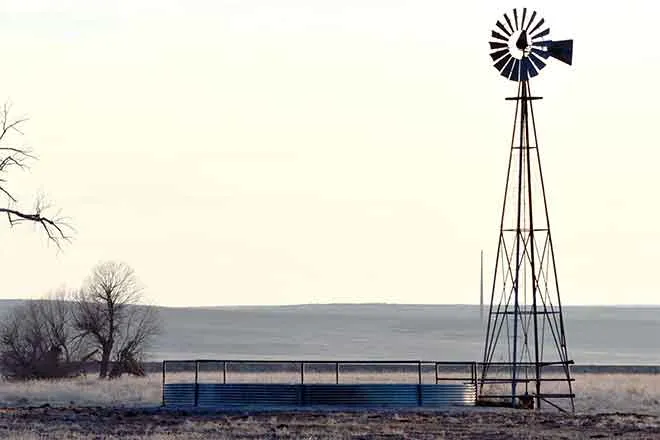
x=56, y=227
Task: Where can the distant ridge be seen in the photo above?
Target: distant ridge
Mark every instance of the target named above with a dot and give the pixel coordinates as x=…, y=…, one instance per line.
x=338, y=304
x=369, y=331
x=10, y=302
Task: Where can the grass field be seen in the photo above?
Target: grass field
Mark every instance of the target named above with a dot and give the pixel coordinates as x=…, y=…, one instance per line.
x=623, y=405
x=595, y=392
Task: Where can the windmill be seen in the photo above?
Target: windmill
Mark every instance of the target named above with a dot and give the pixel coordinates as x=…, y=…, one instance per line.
x=525, y=350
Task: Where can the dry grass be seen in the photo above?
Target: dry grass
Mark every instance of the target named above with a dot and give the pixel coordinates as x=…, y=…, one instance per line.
x=90, y=391
x=595, y=392
x=624, y=405
x=618, y=392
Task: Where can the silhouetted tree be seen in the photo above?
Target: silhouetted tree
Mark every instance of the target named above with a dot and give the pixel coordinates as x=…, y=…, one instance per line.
x=38, y=340
x=110, y=313
x=13, y=155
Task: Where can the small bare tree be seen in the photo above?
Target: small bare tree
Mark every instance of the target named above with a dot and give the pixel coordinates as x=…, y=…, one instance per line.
x=13, y=155
x=110, y=313
x=38, y=340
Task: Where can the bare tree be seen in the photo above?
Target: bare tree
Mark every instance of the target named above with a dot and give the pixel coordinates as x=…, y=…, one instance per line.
x=13, y=155
x=38, y=340
x=109, y=312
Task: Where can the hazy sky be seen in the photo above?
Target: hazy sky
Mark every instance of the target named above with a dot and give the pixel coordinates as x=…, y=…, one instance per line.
x=273, y=152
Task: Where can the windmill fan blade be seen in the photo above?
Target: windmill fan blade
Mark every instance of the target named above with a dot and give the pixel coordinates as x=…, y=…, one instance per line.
x=523, y=71
x=538, y=25
x=497, y=45
x=515, y=71
x=541, y=34
x=538, y=62
x=543, y=43
x=501, y=63
x=533, y=71
x=498, y=36
x=527, y=69
x=544, y=53
x=508, y=21
x=531, y=20
x=515, y=17
x=561, y=50
x=506, y=72
x=522, y=23
x=505, y=30
x=500, y=53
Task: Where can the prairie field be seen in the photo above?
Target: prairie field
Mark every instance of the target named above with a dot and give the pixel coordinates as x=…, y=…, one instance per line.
x=607, y=405
x=596, y=392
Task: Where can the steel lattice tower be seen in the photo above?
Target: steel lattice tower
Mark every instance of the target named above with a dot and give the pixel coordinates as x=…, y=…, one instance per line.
x=525, y=354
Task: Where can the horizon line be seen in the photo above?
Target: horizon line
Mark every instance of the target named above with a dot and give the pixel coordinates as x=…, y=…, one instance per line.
x=365, y=303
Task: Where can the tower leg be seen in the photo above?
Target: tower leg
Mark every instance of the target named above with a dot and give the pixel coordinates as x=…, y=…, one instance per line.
x=525, y=316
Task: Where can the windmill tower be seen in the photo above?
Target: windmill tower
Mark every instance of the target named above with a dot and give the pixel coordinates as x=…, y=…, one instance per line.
x=525, y=354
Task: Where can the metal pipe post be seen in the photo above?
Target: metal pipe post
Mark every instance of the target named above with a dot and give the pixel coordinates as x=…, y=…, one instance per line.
x=419, y=383
x=163, y=386
x=196, y=383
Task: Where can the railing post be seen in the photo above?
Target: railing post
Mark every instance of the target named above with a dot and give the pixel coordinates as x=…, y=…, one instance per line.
x=301, y=387
x=419, y=383
x=336, y=373
x=196, y=383
x=163, y=390
x=224, y=372
x=475, y=381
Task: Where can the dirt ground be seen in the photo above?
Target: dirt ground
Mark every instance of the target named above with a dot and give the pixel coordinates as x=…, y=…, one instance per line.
x=100, y=423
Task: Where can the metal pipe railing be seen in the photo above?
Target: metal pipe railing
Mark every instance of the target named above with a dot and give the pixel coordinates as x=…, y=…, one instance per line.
x=417, y=364
x=470, y=368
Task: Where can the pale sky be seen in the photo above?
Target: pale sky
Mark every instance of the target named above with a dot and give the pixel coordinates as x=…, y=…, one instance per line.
x=279, y=151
